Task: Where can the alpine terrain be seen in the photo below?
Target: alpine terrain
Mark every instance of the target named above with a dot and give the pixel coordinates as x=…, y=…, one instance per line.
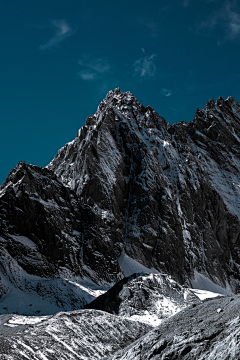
x=132, y=225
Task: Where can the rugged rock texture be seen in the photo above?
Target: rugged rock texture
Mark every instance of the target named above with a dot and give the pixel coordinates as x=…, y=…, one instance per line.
x=85, y=334
x=129, y=183
x=207, y=331
x=167, y=195
x=149, y=298
x=41, y=251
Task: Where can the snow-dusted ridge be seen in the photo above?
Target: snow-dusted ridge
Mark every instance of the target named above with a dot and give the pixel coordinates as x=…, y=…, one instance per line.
x=83, y=334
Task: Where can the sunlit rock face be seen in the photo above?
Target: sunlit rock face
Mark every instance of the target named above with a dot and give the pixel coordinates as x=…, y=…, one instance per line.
x=129, y=185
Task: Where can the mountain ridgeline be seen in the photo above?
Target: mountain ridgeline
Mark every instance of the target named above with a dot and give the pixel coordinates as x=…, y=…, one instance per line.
x=168, y=196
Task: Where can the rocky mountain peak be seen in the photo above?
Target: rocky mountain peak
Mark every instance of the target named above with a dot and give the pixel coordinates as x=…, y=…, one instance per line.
x=129, y=192
x=142, y=172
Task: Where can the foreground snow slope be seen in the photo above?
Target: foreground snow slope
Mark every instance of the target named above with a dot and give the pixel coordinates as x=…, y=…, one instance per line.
x=84, y=334
x=210, y=330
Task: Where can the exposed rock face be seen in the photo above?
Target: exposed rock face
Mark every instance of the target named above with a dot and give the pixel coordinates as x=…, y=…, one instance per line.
x=207, y=331
x=41, y=247
x=167, y=196
x=149, y=298
x=84, y=334
x=36, y=205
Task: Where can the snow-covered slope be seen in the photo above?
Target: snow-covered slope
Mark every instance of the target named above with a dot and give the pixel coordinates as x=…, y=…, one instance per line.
x=209, y=330
x=84, y=334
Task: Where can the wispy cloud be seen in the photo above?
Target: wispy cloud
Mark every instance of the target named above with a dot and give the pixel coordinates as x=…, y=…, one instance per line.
x=186, y=3
x=233, y=20
x=62, y=30
x=145, y=67
x=92, y=68
x=227, y=18
x=166, y=92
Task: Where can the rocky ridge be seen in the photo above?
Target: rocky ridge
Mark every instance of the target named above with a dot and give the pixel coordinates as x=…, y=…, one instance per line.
x=84, y=334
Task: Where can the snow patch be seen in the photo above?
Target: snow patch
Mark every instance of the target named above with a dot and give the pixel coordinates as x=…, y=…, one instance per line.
x=201, y=282
x=130, y=266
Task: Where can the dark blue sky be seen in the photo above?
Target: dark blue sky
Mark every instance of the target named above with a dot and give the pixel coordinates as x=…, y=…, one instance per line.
x=59, y=59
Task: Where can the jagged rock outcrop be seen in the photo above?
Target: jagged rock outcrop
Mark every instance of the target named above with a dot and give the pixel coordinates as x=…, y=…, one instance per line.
x=207, y=331
x=129, y=183
x=148, y=298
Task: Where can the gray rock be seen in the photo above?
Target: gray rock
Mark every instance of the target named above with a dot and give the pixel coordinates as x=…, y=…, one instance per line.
x=168, y=194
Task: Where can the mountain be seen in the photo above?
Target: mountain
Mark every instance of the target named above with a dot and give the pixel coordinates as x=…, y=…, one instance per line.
x=129, y=194
x=166, y=195
x=82, y=334
x=206, y=331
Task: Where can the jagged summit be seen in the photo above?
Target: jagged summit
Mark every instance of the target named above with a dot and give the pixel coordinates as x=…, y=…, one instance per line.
x=124, y=103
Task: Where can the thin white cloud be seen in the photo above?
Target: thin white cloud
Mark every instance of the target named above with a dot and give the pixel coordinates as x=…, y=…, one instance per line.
x=227, y=18
x=62, y=30
x=145, y=67
x=233, y=19
x=92, y=68
x=166, y=92
x=87, y=75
